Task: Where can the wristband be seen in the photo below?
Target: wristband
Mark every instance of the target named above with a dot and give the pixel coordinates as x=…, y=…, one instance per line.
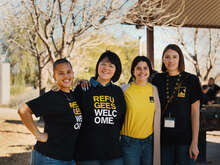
x=38, y=136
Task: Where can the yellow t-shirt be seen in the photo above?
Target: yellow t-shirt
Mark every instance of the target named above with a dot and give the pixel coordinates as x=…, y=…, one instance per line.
x=140, y=111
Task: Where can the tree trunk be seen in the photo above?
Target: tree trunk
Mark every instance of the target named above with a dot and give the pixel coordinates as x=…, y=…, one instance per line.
x=42, y=87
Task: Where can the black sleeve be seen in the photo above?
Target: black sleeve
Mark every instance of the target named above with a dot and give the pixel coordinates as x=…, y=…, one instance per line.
x=123, y=108
x=40, y=105
x=195, y=91
x=78, y=93
x=217, y=88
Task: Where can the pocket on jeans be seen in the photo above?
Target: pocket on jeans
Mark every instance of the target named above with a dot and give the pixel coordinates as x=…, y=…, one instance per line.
x=125, y=142
x=48, y=159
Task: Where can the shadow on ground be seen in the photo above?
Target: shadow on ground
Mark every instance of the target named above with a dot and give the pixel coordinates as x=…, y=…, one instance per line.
x=15, y=132
x=27, y=147
x=39, y=123
x=16, y=159
x=14, y=121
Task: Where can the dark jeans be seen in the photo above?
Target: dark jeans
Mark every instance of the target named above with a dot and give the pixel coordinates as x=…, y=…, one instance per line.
x=172, y=154
x=137, y=151
x=118, y=161
x=39, y=159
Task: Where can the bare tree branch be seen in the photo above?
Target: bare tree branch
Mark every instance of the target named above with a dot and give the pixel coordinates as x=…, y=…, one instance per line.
x=209, y=64
x=53, y=28
x=181, y=41
x=208, y=58
x=150, y=13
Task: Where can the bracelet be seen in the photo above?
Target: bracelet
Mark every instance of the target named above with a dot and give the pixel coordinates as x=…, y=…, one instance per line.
x=38, y=136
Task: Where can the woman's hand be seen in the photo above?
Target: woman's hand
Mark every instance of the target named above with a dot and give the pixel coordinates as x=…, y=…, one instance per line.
x=84, y=84
x=42, y=137
x=193, y=151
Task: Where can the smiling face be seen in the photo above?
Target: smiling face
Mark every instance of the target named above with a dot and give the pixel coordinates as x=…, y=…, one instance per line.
x=141, y=72
x=171, y=61
x=106, y=71
x=63, y=75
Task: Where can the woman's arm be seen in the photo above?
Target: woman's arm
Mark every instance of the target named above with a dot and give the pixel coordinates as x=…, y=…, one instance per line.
x=26, y=116
x=193, y=150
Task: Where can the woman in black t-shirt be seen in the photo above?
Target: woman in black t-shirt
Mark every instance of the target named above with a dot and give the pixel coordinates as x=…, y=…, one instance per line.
x=62, y=117
x=180, y=115
x=103, y=109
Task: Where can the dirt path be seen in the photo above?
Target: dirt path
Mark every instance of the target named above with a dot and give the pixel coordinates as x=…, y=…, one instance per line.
x=15, y=140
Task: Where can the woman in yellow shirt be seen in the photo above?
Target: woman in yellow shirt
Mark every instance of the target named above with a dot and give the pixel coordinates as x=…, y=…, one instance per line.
x=141, y=129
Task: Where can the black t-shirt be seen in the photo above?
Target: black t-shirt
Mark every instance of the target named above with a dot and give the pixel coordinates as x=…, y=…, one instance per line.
x=103, y=110
x=204, y=99
x=213, y=89
x=180, y=107
x=62, y=118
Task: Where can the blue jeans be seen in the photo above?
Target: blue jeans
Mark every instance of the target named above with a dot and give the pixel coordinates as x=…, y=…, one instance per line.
x=39, y=159
x=172, y=154
x=118, y=161
x=137, y=151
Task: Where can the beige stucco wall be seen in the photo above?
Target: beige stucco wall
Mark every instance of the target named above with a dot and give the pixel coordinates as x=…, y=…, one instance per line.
x=4, y=83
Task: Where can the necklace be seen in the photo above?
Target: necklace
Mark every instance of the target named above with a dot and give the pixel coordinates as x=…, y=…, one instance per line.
x=168, y=86
x=68, y=98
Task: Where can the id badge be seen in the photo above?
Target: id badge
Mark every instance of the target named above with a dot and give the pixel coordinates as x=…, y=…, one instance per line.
x=169, y=122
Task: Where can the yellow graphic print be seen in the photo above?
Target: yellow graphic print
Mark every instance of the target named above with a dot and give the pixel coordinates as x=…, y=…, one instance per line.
x=75, y=108
x=105, y=109
x=151, y=99
x=182, y=92
x=104, y=102
x=77, y=113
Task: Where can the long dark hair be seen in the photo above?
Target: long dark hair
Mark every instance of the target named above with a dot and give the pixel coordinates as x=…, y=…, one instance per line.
x=181, y=66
